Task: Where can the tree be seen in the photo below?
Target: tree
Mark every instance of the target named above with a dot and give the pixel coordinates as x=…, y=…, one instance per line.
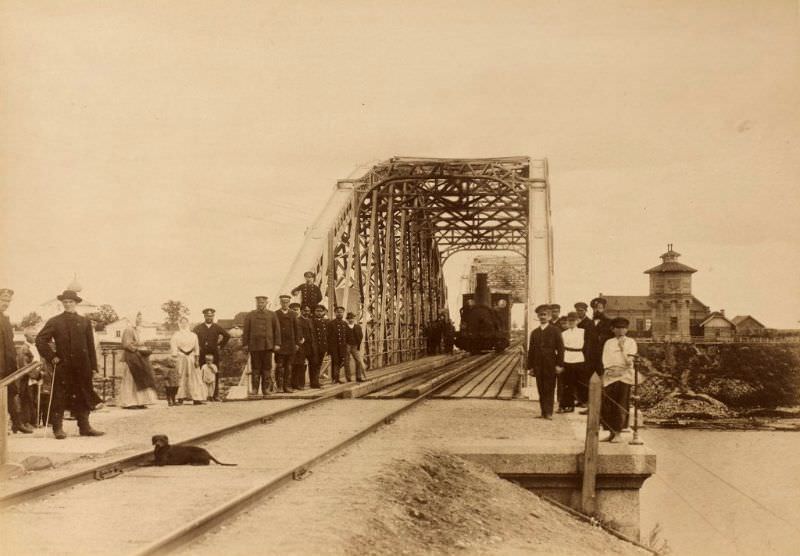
x=32, y=319
x=174, y=310
x=104, y=316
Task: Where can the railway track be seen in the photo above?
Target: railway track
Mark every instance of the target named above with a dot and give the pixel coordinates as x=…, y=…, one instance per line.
x=153, y=510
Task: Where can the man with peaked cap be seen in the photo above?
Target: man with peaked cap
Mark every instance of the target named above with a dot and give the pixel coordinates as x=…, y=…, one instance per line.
x=618, y=359
x=310, y=294
x=291, y=340
x=573, y=363
x=337, y=344
x=261, y=335
x=590, y=351
x=545, y=359
x=307, y=353
x=17, y=390
x=320, y=326
x=212, y=339
x=603, y=330
x=74, y=364
x=555, y=316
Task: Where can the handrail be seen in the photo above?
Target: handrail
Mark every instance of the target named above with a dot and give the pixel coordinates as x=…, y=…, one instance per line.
x=19, y=373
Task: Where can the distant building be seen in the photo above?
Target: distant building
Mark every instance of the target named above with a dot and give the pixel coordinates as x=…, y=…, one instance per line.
x=746, y=324
x=113, y=331
x=717, y=328
x=670, y=312
x=53, y=307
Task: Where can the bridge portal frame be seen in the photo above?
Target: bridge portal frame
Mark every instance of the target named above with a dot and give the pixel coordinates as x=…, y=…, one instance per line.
x=405, y=217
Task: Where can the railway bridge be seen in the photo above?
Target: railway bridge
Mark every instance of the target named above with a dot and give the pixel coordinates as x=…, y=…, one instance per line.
x=379, y=245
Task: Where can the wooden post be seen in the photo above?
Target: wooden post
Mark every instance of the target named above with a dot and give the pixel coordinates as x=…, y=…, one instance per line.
x=588, y=494
x=3, y=425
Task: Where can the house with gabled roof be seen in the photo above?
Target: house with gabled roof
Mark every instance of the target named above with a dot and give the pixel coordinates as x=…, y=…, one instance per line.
x=718, y=328
x=746, y=324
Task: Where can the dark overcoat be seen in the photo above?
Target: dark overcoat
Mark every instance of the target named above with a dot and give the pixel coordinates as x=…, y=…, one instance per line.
x=545, y=350
x=261, y=331
x=309, y=348
x=602, y=333
x=290, y=332
x=337, y=339
x=8, y=356
x=74, y=347
x=321, y=336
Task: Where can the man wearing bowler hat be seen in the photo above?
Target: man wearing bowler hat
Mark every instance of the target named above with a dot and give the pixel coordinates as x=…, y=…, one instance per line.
x=545, y=358
x=310, y=294
x=212, y=339
x=261, y=335
x=74, y=363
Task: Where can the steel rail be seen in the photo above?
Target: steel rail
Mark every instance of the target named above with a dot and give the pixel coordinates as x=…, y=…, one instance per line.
x=117, y=467
x=188, y=532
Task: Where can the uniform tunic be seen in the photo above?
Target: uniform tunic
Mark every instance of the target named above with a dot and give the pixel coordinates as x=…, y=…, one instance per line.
x=545, y=352
x=337, y=345
x=310, y=295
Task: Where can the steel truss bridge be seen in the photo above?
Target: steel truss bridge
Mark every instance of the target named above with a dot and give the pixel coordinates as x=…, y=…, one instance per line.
x=379, y=245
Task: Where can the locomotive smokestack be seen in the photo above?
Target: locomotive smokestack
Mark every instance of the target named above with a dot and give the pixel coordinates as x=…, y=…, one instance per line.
x=482, y=293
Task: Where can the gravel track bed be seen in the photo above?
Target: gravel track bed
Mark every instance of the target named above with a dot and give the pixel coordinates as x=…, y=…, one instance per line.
x=118, y=516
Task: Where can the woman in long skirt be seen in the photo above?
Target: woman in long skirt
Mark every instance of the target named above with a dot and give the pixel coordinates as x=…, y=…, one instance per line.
x=186, y=351
x=138, y=388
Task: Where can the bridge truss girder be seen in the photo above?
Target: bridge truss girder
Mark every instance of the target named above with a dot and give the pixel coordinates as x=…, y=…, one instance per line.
x=406, y=216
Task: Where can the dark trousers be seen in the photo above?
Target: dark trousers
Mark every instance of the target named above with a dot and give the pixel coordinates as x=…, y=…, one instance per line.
x=283, y=369
x=261, y=369
x=614, y=409
x=582, y=383
x=314, y=366
x=567, y=382
x=546, y=385
x=337, y=362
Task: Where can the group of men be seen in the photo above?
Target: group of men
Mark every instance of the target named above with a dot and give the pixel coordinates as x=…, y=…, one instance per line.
x=65, y=346
x=299, y=339
x=440, y=335
x=564, y=353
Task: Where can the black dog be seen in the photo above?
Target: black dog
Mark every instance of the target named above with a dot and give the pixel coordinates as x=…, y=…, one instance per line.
x=181, y=455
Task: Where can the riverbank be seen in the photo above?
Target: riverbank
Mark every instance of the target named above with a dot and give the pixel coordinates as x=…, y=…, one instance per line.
x=697, y=417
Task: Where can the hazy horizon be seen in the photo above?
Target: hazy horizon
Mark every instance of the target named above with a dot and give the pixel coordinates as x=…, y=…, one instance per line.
x=179, y=151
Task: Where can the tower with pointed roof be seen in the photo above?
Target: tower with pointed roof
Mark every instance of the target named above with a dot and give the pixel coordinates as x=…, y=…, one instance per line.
x=671, y=297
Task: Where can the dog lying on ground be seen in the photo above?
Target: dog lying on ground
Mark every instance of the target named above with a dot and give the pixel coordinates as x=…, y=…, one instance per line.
x=165, y=454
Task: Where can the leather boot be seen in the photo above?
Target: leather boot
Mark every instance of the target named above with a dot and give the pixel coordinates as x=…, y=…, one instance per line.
x=85, y=428
x=287, y=379
x=57, y=420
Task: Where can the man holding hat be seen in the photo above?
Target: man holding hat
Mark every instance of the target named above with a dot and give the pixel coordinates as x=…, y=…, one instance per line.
x=618, y=356
x=545, y=359
x=74, y=363
x=17, y=390
x=590, y=354
x=261, y=335
x=291, y=340
x=310, y=294
x=212, y=338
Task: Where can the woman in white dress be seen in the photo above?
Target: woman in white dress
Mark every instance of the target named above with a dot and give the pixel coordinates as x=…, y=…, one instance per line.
x=138, y=388
x=186, y=351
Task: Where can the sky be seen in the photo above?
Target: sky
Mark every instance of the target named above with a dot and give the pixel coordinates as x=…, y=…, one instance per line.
x=178, y=150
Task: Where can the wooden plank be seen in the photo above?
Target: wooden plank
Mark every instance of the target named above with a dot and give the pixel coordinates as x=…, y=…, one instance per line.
x=457, y=384
x=512, y=385
x=489, y=378
x=496, y=387
x=469, y=386
x=588, y=493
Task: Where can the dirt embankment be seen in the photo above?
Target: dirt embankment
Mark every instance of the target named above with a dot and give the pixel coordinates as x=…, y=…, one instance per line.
x=437, y=503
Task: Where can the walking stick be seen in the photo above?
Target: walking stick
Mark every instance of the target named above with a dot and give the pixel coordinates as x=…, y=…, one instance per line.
x=38, y=404
x=50, y=401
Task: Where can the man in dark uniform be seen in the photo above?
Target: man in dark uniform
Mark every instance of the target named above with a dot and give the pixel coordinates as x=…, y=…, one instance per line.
x=448, y=333
x=261, y=335
x=589, y=353
x=320, y=325
x=337, y=344
x=433, y=336
x=74, y=363
x=545, y=359
x=310, y=294
x=291, y=340
x=555, y=317
x=212, y=338
x=308, y=349
x=17, y=390
x=603, y=330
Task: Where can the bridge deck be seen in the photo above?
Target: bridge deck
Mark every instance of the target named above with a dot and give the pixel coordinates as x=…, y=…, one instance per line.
x=498, y=381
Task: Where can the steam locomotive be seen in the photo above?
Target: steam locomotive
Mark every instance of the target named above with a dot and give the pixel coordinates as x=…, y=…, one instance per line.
x=485, y=319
